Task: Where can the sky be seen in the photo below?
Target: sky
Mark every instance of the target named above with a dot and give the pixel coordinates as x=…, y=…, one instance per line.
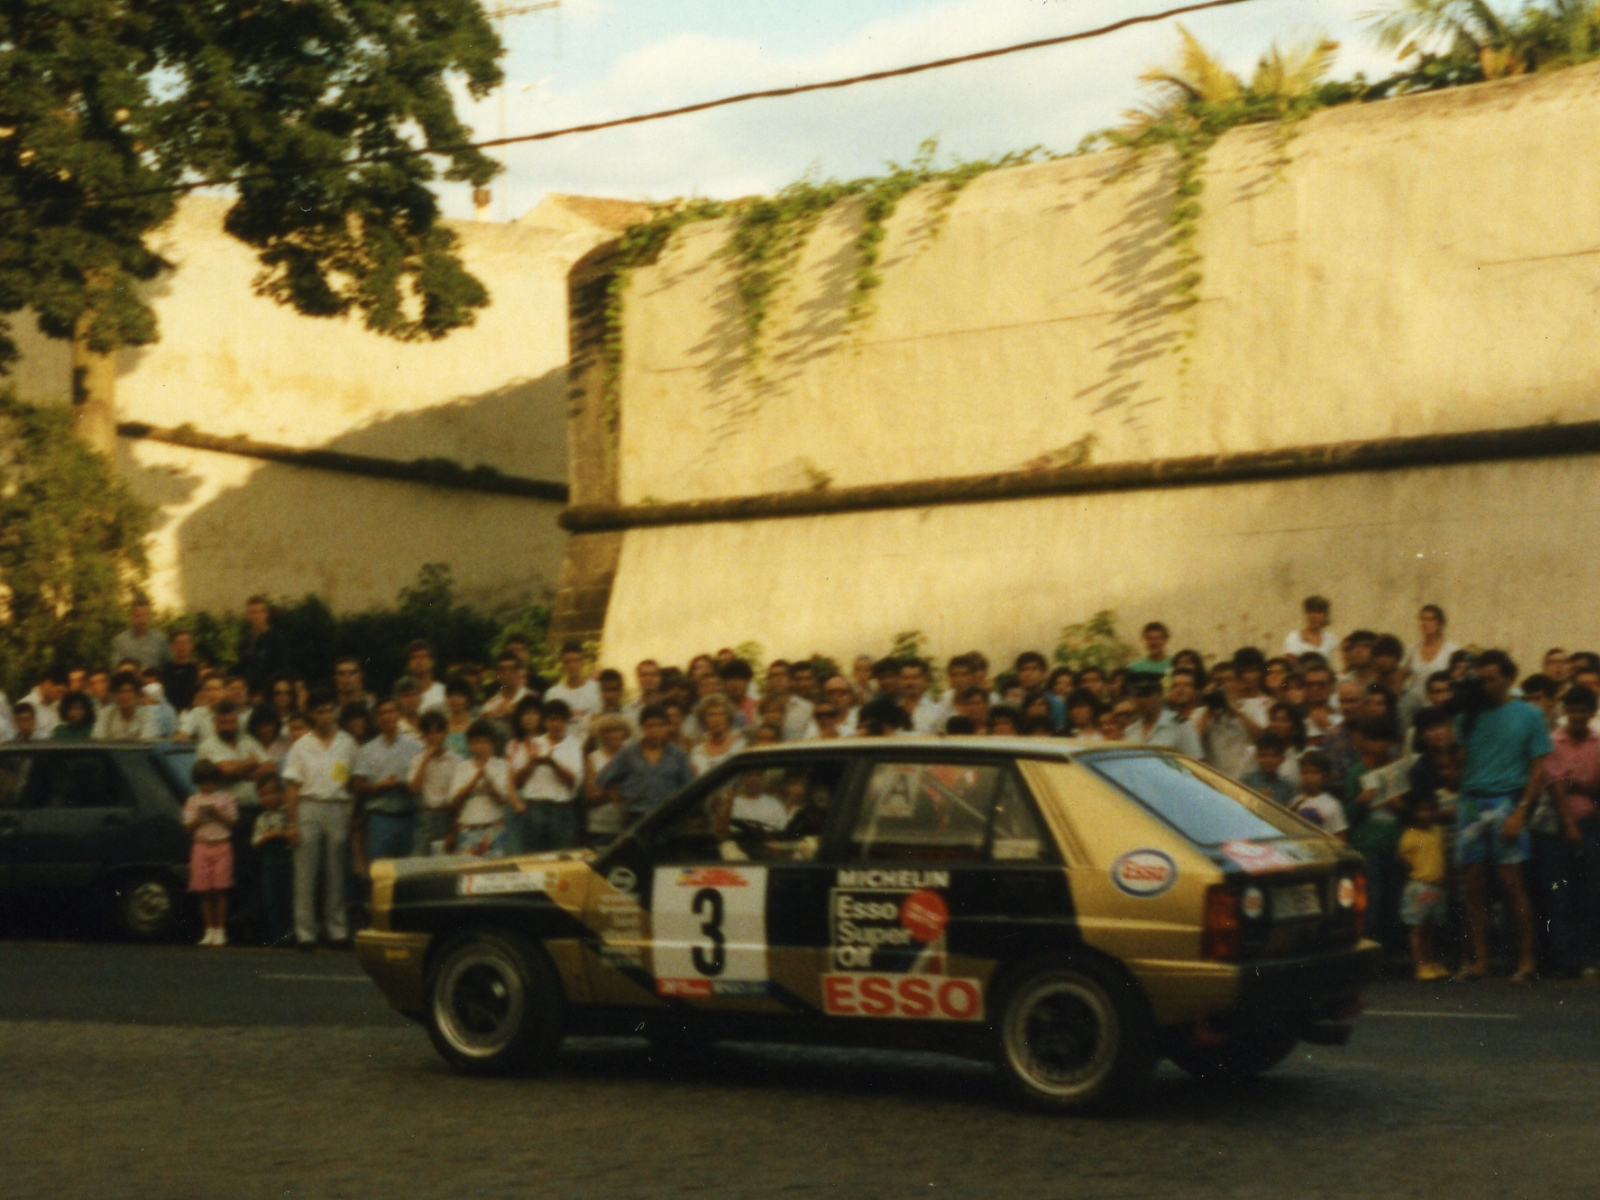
x=597, y=59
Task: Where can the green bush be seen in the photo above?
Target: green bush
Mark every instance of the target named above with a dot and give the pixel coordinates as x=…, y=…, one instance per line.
x=378, y=637
x=1093, y=643
x=71, y=546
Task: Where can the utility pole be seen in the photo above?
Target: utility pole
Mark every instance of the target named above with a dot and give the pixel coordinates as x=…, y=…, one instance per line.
x=483, y=198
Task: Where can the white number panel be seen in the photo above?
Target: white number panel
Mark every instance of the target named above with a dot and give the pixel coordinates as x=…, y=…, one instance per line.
x=710, y=930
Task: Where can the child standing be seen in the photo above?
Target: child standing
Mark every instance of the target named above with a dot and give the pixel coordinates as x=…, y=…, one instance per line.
x=1267, y=778
x=1315, y=803
x=274, y=862
x=209, y=816
x=1424, y=905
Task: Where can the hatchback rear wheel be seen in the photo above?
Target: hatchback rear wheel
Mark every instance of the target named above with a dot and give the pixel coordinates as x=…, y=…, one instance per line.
x=1075, y=1035
x=145, y=907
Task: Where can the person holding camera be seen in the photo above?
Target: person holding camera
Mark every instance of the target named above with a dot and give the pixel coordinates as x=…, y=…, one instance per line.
x=1506, y=743
x=1227, y=731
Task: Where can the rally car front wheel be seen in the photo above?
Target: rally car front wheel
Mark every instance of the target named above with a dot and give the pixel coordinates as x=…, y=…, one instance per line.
x=1075, y=1035
x=494, y=1005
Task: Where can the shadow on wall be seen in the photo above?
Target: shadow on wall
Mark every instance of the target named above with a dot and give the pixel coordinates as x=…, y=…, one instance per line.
x=357, y=541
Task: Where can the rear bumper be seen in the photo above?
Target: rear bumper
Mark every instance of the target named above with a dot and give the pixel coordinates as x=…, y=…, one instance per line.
x=1294, y=991
x=1300, y=991
x=395, y=962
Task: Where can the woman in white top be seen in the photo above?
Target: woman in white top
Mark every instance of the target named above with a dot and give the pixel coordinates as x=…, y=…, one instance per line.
x=480, y=794
x=604, y=820
x=1433, y=652
x=719, y=742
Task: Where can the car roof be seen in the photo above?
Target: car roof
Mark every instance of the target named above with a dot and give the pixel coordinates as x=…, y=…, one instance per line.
x=1019, y=747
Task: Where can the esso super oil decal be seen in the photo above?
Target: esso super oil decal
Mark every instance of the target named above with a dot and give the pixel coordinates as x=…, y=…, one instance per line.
x=1144, y=873
x=875, y=925
x=710, y=931
x=913, y=997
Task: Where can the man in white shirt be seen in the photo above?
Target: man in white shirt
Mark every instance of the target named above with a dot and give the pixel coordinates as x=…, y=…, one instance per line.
x=576, y=688
x=45, y=697
x=1156, y=724
x=127, y=718
x=317, y=773
x=547, y=777
x=797, y=724
x=420, y=666
x=927, y=716
x=1314, y=637
x=510, y=676
x=648, y=675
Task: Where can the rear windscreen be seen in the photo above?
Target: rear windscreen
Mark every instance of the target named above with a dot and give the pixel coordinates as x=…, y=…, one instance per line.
x=1190, y=798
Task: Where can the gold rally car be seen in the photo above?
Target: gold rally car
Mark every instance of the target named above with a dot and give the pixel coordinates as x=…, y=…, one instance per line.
x=1073, y=912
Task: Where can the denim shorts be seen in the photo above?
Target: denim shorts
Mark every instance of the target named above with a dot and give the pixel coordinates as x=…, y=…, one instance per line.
x=1478, y=840
x=1424, y=904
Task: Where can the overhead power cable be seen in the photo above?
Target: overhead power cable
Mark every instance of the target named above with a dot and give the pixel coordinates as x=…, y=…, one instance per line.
x=663, y=114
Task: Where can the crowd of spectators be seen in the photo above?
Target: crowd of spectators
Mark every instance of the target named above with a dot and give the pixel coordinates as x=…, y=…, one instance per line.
x=1456, y=785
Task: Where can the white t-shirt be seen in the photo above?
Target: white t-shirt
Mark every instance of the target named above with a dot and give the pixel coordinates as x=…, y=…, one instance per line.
x=322, y=769
x=766, y=811
x=1421, y=668
x=244, y=749
x=702, y=759
x=1295, y=644
x=1258, y=709
x=584, y=701
x=197, y=724
x=1322, y=811
x=433, y=698
x=544, y=785
x=929, y=716
x=481, y=808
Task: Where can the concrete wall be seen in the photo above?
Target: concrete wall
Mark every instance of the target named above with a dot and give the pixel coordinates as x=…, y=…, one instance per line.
x=231, y=363
x=1422, y=265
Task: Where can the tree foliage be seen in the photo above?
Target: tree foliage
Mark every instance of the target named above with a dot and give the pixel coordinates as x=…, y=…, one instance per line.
x=107, y=105
x=71, y=546
x=1468, y=41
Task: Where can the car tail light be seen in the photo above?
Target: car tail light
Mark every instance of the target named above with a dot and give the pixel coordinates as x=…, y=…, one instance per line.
x=1220, y=938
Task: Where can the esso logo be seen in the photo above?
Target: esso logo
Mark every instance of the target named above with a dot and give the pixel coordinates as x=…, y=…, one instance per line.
x=1144, y=873
x=1347, y=892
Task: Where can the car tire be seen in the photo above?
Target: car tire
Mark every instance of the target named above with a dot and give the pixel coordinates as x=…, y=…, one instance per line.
x=494, y=1004
x=1073, y=1034
x=1237, y=1059
x=145, y=907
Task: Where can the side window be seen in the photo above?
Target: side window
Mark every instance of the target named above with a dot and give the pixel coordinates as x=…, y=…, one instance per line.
x=14, y=769
x=81, y=780
x=767, y=813
x=1017, y=836
x=945, y=811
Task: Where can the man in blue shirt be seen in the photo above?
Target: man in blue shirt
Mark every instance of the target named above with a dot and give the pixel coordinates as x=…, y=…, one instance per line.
x=649, y=772
x=1506, y=743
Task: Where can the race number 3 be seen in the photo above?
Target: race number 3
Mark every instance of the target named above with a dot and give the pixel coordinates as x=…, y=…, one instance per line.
x=710, y=935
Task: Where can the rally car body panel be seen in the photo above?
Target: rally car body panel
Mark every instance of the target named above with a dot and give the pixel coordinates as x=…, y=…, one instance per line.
x=803, y=933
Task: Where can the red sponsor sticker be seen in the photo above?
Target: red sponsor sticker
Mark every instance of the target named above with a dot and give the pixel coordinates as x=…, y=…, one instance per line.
x=924, y=913
x=913, y=997
x=1257, y=859
x=683, y=987
x=700, y=877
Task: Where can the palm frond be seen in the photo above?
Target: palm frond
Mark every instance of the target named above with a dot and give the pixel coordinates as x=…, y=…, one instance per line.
x=1290, y=74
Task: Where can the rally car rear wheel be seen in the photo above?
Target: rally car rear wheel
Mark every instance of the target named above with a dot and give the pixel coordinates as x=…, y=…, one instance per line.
x=1075, y=1035
x=494, y=1006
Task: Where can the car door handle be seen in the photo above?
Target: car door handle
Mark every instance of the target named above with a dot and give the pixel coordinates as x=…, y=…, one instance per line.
x=113, y=819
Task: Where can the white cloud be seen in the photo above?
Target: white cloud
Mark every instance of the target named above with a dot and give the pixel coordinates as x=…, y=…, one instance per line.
x=1051, y=96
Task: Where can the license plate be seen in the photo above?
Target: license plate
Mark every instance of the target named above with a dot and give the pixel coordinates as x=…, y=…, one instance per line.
x=1301, y=900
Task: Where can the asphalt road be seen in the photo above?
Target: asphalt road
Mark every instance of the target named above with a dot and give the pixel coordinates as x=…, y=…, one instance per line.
x=176, y=1072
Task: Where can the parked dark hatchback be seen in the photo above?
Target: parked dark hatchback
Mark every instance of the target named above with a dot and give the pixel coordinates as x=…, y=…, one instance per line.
x=101, y=821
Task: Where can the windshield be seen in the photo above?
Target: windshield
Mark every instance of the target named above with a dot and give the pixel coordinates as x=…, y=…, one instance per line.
x=1190, y=798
